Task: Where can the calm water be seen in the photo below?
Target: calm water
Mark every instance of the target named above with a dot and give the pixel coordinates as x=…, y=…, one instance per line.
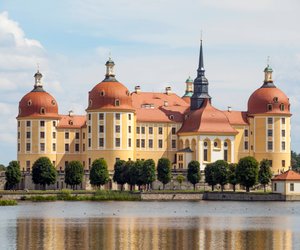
x=151, y=225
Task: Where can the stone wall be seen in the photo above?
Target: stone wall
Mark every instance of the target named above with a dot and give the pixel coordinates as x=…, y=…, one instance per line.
x=171, y=196
x=224, y=196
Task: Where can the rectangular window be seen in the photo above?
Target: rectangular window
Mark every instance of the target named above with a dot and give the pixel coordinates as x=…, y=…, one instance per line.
x=283, y=133
x=19, y=135
x=19, y=124
x=54, y=135
x=77, y=147
x=54, y=147
x=67, y=135
x=129, y=142
x=27, y=165
x=225, y=155
x=42, y=123
x=83, y=147
x=66, y=163
x=28, y=123
x=67, y=147
x=90, y=162
x=77, y=135
x=160, y=130
x=117, y=128
x=28, y=146
x=137, y=143
x=270, y=132
x=173, y=131
x=143, y=130
x=89, y=117
x=42, y=147
x=28, y=135
x=138, y=130
x=90, y=142
x=42, y=135
x=54, y=123
x=143, y=143
x=19, y=147
x=173, y=143
x=101, y=129
x=160, y=143
x=101, y=142
x=283, y=163
x=129, y=117
x=270, y=120
x=271, y=163
x=205, y=155
x=118, y=116
x=129, y=129
x=291, y=186
x=270, y=145
x=83, y=136
x=275, y=186
x=101, y=116
x=246, y=145
x=246, y=133
x=150, y=143
x=283, y=120
x=118, y=142
x=150, y=130
x=283, y=145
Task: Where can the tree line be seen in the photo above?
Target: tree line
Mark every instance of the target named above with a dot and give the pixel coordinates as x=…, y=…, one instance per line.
x=142, y=173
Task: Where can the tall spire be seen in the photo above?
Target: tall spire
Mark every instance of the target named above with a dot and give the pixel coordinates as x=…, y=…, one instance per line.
x=200, y=84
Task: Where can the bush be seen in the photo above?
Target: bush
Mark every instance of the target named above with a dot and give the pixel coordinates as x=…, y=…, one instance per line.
x=8, y=203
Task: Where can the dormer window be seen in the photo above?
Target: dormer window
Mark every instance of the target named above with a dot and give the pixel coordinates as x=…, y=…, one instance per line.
x=171, y=117
x=270, y=107
x=70, y=122
x=29, y=103
x=90, y=102
x=42, y=111
x=275, y=99
x=102, y=93
x=281, y=107
x=53, y=102
x=117, y=102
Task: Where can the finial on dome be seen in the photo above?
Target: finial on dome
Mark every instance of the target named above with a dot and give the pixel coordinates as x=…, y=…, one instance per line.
x=268, y=74
x=38, y=76
x=110, y=75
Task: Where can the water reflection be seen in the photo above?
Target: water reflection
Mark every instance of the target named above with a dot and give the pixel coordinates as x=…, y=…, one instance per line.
x=145, y=233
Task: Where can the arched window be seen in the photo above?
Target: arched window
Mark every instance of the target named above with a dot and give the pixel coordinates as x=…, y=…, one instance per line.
x=269, y=107
x=42, y=111
x=275, y=99
x=102, y=93
x=70, y=122
x=29, y=103
x=53, y=102
x=282, y=107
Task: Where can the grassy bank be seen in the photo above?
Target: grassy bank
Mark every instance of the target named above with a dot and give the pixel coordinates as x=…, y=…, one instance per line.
x=8, y=203
x=100, y=195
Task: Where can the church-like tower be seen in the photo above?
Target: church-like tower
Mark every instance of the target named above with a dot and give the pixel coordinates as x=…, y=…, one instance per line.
x=200, y=85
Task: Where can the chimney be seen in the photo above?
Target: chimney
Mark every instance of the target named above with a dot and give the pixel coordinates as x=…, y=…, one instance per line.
x=229, y=109
x=168, y=90
x=71, y=113
x=137, y=89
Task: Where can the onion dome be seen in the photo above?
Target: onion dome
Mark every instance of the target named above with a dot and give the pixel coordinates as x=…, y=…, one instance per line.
x=268, y=99
x=38, y=103
x=207, y=120
x=110, y=94
x=189, y=90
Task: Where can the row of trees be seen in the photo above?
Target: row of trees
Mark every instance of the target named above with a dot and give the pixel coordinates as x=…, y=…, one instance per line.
x=142, y=173
x=248, y=172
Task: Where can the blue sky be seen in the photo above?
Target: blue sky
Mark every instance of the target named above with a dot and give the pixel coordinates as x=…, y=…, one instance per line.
x=153, y=43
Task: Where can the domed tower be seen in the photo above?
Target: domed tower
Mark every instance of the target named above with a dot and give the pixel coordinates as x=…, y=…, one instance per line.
x=37, y=120
x=269, y=117
x=110, y=120
x=189, y=90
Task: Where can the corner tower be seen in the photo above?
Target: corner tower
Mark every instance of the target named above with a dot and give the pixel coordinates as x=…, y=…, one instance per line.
x=200, y=85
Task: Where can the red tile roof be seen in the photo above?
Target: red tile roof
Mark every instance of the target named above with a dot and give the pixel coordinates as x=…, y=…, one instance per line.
x=237, y=117
x=208, y=120
x=73, y=121
x=289, y=175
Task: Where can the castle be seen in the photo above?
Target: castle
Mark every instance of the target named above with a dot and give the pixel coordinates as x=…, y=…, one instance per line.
x=120, y=124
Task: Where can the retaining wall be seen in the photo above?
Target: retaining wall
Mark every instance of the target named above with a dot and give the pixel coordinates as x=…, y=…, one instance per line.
x=171, y=196
x=219, y=196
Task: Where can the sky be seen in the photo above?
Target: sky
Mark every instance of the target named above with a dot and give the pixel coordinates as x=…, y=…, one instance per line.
x=154, y=43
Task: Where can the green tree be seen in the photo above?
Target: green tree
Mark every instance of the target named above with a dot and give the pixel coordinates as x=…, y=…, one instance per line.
x=180, y=178
x=148, y=172
x=74, y=174
x=99, y=174
x=221, y=168
x=139, y=168
x=210, y=175
x=120, y=173
x=43, y=172
x=2, y=167
x=164, y=171
x=133, y=174
x=264, y=173
x=193, y=173
x=247, y=172
x=232, y=179
x=12, y=174
x=295, y=161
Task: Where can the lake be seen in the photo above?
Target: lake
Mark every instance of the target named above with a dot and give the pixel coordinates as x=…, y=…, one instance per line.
x=151, y=225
